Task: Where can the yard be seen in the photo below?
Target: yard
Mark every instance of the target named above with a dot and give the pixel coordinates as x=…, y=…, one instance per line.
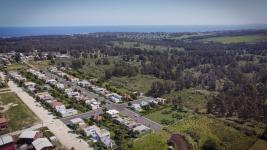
x=18, y=115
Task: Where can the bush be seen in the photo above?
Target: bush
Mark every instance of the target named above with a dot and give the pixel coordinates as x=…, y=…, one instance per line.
x=210, y=144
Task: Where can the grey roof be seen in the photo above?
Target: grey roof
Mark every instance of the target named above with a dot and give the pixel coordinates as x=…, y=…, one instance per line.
x=41, y=143
x=5, y=139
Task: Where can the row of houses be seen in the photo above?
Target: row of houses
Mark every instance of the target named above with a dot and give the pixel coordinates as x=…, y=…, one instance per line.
x=59, y=107
x=155, y=101
x=114, y=97
x=27, y=140
x=94, y=132
x=16, y=76
x=127, y=122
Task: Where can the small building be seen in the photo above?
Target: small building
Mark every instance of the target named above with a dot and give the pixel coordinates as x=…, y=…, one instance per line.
x=45, y=96
x=51, y=81
x=91, y=132
x=7, y=142
x=76, y=121
x=60, y=86
x=57, y=105
x=94, y=105
x=84, y=83
x=112, y=113
x=115, y=98
x=160, y=100
x=67, y=112
x=97, y=118
x=144, y=104
x=42, y=144
x=29, y=84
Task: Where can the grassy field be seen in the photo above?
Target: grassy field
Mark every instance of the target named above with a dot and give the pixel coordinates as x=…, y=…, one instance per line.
x=41, y=64
x=237, y=39
x=18, y=116
x=141, y=83
x=192, y=99
x=153, y=141
x=259, y=145
x=197, y=130
x=142, y=46
x=160, y=115
x=16, y=66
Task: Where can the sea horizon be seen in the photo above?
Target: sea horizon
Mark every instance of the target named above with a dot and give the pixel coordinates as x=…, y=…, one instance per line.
x=8, y=32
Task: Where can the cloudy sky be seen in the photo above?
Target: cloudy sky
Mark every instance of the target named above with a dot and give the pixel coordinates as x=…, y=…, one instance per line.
x=131, y=12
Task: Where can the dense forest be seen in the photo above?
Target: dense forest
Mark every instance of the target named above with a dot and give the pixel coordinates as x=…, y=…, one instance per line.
x=237, y=71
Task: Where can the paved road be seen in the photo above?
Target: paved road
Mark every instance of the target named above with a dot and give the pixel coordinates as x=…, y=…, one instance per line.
x=56, y=126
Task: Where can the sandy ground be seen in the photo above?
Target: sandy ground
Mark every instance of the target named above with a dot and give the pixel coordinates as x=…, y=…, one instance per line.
x=56, y=126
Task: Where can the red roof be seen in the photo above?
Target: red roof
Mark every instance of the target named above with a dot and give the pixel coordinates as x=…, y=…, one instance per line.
x=56, y=103
x=3, y=120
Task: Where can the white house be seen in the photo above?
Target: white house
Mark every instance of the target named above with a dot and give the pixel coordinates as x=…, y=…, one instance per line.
x=41, y=144
x=115, y=98
x=112, y=113
x=141, y=129
x=84, y=83
x=60, y=86
x=136, y=107
x=67, y=112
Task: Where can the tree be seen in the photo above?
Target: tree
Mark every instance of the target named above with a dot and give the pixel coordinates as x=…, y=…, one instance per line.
x=17, y=57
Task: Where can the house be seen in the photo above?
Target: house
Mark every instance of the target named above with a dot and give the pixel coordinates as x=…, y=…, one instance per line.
x=115, y=98
x=67, y=112
x=51, y=81
x=141, y=129
x=84, y=83
x=136, y=107
x=144, y=104
x=94, y=105
x=112, y=113
x=76, y=121
x=60, y=86
x=29, y=136
x=102, y=133
x=45, y=96
x=104, y=136
x=72, y=94
x=7, y=142
x=29, y=84
x=160, y=100
x=3, y=123
x=42, y=144
x=89, y=101
x=57, y=105
x=91, y=132
x=97, y=118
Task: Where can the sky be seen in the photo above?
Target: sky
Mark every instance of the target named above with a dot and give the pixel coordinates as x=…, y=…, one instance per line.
x=131, y=12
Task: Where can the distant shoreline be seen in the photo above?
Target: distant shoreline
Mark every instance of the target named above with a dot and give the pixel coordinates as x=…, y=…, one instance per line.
x=6, y=32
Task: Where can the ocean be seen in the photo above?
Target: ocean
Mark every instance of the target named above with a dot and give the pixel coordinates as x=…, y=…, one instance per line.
x=36, y=31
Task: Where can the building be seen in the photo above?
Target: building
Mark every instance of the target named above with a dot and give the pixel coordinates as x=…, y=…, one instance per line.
x=42, y=144
x=141, y=129
x=51, y=81
x=160, y=100
x=67, y=112
x=3, y=123
x=84, y=83
x=57, y=105
x=29, y=136
x=91, y=132
x=60, y=86
x=144, y=104
x=94, y=105
x=112, y=113
x=115, y=98
x=7, y=142
x=45, y=96
x=136, y=107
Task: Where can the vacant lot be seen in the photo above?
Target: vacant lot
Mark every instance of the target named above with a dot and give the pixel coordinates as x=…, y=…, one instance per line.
x=141, y=83
x=237, y=39
x=168, y=114
x=192, y=98
x=18, y=115
x=197, y=130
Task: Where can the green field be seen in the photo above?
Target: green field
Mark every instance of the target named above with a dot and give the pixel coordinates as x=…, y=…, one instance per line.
x=141, y=83
x=41, y=64
x=16, y=66
x=192, y=98
x=158, y=116
x=142, y=46
x=237, y=39
x=197, y=130
x=18, y=116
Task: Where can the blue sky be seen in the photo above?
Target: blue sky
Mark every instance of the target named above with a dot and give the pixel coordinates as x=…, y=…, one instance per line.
x=131, y=12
